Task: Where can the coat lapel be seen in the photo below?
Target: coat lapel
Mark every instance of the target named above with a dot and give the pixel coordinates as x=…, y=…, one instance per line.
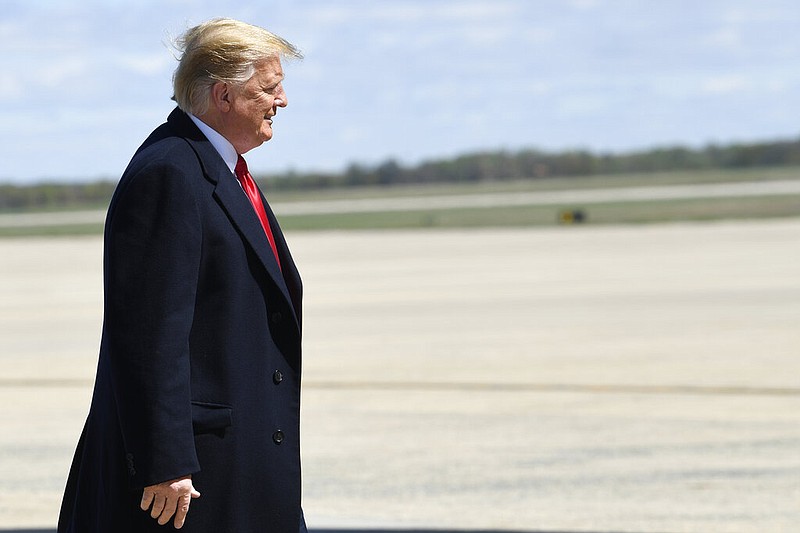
x=240, y=211
x=289, y=270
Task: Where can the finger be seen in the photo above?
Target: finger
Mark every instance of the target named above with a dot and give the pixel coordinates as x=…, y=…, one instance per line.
x=169, y=510
x=195, y=494
x=158, y=505
x=147, y=499
x=183, y=509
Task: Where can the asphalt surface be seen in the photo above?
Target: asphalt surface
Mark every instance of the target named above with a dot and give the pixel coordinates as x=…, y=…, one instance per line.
x=345, y=531
x=339, y=531
x=581, y=379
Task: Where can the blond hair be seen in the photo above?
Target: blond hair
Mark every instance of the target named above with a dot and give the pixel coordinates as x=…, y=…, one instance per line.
x=223, y=50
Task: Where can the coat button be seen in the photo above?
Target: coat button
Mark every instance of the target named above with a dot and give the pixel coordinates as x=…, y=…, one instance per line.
x=129, y=460
x=277, y=437
x=276, y=317
x=277, y=377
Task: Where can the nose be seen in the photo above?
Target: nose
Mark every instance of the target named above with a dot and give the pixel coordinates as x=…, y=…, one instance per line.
x=280, y=98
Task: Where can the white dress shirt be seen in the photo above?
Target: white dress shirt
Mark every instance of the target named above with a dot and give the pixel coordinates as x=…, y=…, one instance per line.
x=220, y=143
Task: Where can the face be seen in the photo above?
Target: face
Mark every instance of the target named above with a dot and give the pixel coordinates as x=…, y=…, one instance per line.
x=247, y=120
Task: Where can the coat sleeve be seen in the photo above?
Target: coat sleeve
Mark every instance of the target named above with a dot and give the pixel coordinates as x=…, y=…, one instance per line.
x=152, y=256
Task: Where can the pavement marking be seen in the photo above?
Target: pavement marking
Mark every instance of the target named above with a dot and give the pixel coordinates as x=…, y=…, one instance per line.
x=587, y=388
x=719, y=390
x=45, y=383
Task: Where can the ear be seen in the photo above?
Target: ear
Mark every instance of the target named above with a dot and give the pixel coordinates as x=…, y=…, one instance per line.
x=221, y=96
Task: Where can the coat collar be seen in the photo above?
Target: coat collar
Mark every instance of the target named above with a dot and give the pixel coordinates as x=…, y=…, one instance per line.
x=240, y=211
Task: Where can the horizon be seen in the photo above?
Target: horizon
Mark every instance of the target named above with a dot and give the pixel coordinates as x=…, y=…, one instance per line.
x=67, y=181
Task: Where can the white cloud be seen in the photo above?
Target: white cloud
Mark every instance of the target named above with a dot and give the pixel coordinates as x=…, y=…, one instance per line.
x=353, y=134
x=777, y=86
x=724, y=38
x=747, y=13
x=584, y=4
x=62, y=71
x=725, y=84
x=538, y=35
x=428, y=12
x=11, y=88
x=579, y=105
x=146, y=64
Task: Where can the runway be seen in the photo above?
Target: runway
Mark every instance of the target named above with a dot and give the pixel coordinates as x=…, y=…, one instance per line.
x=346, y=531
x=460, y=201
x=568, y=379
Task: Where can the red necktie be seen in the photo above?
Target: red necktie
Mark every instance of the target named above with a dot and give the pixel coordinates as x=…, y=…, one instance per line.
x=250, y=188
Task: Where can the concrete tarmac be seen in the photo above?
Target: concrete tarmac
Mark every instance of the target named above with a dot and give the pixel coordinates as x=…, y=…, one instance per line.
x=627, y=379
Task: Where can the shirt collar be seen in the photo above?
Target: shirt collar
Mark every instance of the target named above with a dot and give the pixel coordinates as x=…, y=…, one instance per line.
x=220, y=143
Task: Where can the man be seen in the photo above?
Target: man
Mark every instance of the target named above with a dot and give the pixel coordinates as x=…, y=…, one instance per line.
x=194, y=421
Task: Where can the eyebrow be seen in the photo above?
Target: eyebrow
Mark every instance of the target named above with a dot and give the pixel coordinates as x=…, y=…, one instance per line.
x=272, y=82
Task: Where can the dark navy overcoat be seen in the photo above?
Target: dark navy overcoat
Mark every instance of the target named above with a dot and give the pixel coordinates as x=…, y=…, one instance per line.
x=199, y=366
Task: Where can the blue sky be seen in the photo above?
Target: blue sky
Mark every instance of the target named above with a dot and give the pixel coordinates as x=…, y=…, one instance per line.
x=83, y=82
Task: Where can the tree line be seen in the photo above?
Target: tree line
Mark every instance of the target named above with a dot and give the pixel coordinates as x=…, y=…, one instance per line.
x=502, y=165
x=488, y=166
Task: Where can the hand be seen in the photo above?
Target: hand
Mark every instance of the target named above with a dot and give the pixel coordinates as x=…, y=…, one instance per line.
x=169, y=498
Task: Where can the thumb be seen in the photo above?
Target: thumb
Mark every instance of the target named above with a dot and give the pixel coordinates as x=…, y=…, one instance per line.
x=194, y=493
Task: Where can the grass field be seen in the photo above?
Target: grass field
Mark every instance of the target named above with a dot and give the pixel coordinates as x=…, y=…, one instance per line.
x=553, y=184
x=607, y=212
x=520, y=216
